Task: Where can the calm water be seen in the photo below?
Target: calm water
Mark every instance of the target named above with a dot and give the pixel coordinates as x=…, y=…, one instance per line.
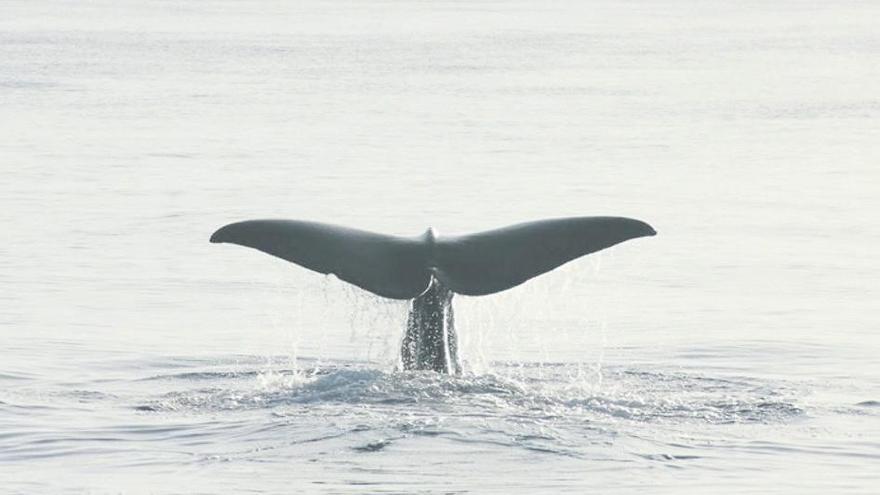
x=735, y=352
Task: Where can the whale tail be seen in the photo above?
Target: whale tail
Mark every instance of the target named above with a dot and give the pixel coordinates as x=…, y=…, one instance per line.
x=402, y=267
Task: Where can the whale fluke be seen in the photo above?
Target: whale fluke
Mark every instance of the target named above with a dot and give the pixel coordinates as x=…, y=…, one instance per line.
x=496, y=260
x=430, y=269
x=403, y=267
x=389, y=266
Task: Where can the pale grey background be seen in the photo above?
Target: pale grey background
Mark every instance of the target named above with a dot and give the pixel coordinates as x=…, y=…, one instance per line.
x=737, y=350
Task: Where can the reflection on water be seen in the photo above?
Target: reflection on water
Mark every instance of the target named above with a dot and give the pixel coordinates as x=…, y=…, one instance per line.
x=191, y=411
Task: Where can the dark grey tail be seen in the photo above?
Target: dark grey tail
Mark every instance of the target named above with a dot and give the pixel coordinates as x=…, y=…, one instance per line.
x=402, y=267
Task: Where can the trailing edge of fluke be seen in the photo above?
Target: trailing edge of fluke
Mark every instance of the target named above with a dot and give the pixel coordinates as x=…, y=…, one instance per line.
x=403, y=267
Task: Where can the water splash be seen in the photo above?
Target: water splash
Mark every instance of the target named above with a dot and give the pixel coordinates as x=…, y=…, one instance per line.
x=537, y=392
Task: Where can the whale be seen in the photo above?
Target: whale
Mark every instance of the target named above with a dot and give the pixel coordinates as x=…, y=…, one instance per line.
x=429, y=269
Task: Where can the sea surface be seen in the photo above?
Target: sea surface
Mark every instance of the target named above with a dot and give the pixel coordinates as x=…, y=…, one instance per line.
x=735, y=352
